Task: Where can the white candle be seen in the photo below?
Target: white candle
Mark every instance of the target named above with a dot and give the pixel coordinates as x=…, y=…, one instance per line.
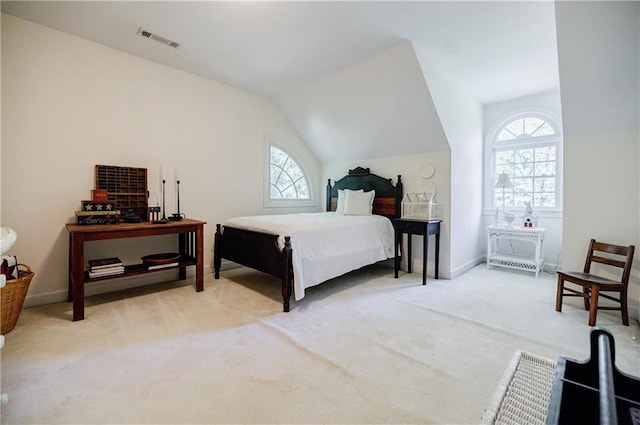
x=162, y=171
x=177, y=169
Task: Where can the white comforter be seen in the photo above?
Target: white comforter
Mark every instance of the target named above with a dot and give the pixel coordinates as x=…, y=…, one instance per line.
x=327, y=244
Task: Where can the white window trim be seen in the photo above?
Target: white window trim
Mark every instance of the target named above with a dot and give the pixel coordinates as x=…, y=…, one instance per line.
x=489, y=178
x=283, y=203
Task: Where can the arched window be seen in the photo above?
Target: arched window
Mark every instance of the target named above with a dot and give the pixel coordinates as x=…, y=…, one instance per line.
x=527, y=148
x=525, y=127
x=287, y=180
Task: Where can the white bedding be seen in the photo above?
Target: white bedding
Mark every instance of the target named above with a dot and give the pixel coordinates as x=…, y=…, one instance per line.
x=327, y=244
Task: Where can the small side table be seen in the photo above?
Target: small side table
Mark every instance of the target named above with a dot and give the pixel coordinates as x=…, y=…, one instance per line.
x=416, y=227
x=497, y=257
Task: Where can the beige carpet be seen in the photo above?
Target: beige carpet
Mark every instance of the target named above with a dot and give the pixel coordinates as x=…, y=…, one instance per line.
x=365, y=348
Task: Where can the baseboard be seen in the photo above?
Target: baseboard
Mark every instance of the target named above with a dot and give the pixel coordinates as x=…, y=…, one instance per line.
x=443, y=274
x=459, y=271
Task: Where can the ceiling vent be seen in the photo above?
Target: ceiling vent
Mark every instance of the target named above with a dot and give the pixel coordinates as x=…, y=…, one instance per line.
x=148, y=34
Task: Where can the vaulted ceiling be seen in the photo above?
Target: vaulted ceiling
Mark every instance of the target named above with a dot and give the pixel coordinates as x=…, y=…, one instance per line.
x=286, y=50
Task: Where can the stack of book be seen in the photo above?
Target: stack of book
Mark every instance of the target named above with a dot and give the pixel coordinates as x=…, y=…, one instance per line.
x=105, y=267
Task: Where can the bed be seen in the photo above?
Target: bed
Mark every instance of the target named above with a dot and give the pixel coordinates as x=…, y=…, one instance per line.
x=266, y=243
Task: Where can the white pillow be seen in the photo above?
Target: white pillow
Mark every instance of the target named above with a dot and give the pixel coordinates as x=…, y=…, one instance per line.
x=359, y=203
x=341, y=199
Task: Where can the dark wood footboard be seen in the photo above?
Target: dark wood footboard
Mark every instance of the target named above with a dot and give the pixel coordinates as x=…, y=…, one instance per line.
x=257, y=250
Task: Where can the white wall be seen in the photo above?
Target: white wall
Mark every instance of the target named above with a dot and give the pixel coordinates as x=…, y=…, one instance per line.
x=375, y=108
x=379, y=109
x=68, y=104
x=598, y=47
x=409, y=167
x=0, y=128
x=461, y=117
x=549, y=104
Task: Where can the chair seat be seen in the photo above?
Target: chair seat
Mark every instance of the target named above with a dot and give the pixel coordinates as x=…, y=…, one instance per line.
x=602, y=281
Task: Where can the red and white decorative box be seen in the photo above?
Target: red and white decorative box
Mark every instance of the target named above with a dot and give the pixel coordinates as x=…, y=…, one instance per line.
x=99, y=195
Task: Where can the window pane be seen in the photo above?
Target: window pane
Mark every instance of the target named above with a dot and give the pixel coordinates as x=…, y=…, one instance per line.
x=544, y=200
x=275, y=173
x=284, y=182
x=504, y=157
x=290, y=193
x=504, y=169
x=287, y=179
x=505, y=135
x=278, y=157
x=544, y=130
x=546, y=153
x=545, y=168
x=497, y=198
x=523, y=170
x=524, y=155
x=531, y=125
x=303, y=192
x=522, y=188
x=523, y=185
x=521, y=198
x=508, y=198
x=544, y=184
x=515, y=127
x=293, y=170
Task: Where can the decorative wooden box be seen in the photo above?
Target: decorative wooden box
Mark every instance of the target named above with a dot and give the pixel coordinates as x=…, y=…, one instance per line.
x=85, y=218
x=126, y=187
x=98, y=206
x=99, y=195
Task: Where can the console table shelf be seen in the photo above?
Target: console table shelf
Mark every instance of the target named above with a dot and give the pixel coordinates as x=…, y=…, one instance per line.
x=190, y=245
x=136, y=269
x=513, y=260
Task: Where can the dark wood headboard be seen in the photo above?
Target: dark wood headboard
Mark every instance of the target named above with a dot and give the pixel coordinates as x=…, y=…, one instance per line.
x=388, y=199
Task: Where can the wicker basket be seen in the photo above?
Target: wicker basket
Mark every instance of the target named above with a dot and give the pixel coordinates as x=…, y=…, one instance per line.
x=13, y=295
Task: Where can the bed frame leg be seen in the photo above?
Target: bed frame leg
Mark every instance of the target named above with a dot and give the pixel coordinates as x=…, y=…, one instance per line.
x=286, y=294
x=287, y=278
x=217, y=255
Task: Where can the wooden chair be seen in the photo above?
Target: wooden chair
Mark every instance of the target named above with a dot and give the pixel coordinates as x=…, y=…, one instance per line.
x=593, y=286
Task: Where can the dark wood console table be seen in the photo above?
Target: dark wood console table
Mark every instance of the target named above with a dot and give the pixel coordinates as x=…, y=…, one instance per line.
x=190, y=245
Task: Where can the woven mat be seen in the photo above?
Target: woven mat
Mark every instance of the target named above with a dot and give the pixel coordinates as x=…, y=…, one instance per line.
x=522, y=396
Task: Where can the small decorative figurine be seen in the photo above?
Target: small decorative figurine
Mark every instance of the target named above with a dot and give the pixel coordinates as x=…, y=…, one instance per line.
x=529, y=219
